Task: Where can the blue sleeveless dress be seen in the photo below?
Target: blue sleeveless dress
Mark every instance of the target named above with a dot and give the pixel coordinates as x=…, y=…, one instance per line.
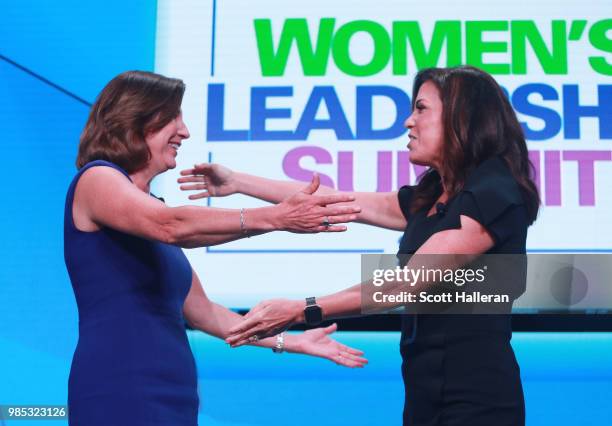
x=132, y=364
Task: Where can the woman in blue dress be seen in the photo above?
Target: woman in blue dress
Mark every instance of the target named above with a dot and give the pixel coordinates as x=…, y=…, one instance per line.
x=133, y=285
x=477, y=197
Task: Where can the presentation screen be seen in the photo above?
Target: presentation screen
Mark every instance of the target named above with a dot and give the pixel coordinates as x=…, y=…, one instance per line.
x=282, y=90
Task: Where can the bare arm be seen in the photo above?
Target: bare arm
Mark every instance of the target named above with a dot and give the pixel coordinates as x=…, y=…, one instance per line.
x=270, y=190
x=203, y=314
x=274, y=315
x=377, y=208
x=105, y=197
x=471, y=238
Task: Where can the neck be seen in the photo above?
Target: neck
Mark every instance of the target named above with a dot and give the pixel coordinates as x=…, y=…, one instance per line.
x=444, y=188
x=442, y=181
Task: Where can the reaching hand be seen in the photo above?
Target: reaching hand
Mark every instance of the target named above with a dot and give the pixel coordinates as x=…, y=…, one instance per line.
x=318, y=343
x=304, y=212
x=214, y=180
x=266, y=319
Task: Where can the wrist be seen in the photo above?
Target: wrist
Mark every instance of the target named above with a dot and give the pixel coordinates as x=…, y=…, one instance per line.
x=292, y=343
x=275, y=217
x=299, y=316
x=262, y=219
x=298, y=311
x=239, y=183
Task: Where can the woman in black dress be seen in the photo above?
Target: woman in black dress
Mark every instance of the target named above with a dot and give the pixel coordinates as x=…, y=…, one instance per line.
x=476, y=198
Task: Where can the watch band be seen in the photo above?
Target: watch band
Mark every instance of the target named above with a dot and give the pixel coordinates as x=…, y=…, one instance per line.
x=312, y=312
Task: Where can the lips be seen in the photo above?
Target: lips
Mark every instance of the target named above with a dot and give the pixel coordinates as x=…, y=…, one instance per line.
x=411, y=138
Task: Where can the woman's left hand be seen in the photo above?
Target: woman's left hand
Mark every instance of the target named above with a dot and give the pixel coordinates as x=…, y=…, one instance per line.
x=318, y=343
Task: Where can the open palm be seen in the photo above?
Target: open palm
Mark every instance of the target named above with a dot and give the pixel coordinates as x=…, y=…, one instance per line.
x=317, y=342
x=214, y=180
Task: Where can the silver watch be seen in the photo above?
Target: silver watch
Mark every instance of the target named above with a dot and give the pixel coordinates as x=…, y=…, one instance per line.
x=279, y=348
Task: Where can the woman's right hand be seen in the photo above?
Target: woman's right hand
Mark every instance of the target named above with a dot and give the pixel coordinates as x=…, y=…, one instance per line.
x=304, y=212
x=301, y=212
x=214, y=180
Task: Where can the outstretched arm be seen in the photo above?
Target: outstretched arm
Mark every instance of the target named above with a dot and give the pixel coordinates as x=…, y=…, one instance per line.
x=214, y=180
x=105, y=197
x=273, y=316
x=203, y=314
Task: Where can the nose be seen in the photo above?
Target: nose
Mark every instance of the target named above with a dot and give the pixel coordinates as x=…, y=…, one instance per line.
x=409, y=123
x=183, y=131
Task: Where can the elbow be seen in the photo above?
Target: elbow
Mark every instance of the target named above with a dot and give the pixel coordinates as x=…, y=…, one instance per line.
x=171, y=228
x=173, y=235
x=177, y=227
x=191, y=322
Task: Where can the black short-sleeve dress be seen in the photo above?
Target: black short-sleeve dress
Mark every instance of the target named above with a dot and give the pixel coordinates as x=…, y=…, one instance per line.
x=460, y=369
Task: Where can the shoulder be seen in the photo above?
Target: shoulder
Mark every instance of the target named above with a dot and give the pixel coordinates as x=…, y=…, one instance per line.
x=103, y=171
x=493, y=174
x=102, y=167
x=493, y=185
x=404, y=197
x=492, y=197
x=100, y=180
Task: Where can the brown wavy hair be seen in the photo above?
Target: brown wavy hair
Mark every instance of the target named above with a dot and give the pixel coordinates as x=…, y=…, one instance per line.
x=479, y=123
x=131, y=106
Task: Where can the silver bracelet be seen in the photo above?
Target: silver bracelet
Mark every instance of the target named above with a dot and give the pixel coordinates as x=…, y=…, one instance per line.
x=279, y=348
x=242, y=225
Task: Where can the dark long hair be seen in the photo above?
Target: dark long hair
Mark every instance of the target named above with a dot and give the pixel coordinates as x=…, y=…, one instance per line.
x=131, y=105
x=479, y=123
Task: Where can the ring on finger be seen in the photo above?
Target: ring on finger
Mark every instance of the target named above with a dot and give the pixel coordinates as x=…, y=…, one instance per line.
x=325, y=222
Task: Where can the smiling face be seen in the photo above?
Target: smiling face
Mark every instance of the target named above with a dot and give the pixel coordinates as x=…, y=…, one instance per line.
x=165, y=143
x=426, y=127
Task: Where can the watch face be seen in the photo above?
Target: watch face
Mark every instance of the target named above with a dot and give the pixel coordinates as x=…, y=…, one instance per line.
x=313, y=315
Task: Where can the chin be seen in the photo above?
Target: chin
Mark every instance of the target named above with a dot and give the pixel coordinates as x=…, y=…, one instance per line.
x=420, y=162
x=414, y=159
x=170, y=163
